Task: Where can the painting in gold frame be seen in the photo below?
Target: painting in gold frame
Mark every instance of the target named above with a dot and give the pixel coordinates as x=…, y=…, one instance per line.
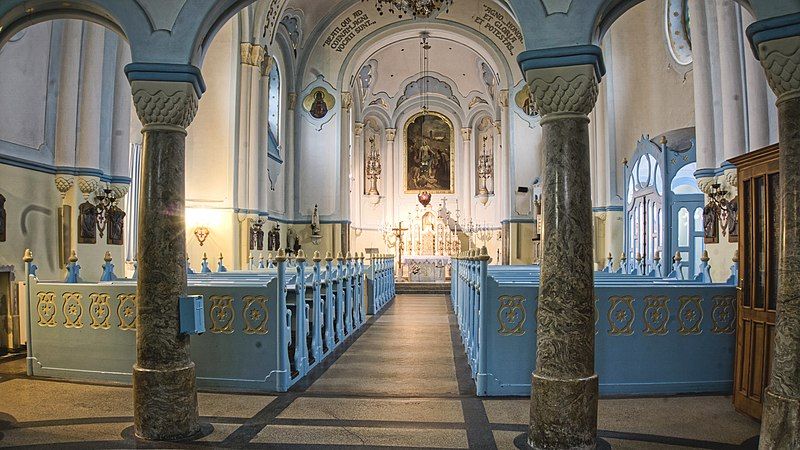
x=429, y=154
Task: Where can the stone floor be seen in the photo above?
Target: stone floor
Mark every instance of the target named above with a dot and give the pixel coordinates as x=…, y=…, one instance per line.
x=403, y=383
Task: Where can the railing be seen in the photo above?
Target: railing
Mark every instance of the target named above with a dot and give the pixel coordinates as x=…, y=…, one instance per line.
x=380, y=282
x=653, y=336
x=265, y=329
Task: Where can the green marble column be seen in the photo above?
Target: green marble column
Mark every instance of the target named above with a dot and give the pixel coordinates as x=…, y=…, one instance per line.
x=780, y=426
x=164, y=393
x=564, y=384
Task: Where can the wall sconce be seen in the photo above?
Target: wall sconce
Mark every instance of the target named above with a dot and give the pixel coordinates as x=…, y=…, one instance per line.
x=201, y=233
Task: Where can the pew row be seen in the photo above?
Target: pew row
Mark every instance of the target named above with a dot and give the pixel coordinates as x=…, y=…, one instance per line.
x=264, y=330
x=653, y=336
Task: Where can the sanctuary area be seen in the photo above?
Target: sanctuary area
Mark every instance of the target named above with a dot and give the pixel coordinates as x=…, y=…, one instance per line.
x=490, y=224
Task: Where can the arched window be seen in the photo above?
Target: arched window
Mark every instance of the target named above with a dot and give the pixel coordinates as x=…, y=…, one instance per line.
x=678, y=31
x=664, y=220
x=274, y=104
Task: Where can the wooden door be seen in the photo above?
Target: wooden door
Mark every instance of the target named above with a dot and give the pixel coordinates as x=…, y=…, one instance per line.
x=759, y=222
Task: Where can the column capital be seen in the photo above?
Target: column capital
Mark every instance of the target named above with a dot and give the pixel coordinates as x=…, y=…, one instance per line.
x=466, y=134
x=390, y=134
x=164, y=105
x=781, y=61
x=563, y=92
x=358, y=127
x=347, y=100
x=252, y=54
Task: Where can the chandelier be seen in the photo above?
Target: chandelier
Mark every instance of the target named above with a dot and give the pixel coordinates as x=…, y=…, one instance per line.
x=417, y=9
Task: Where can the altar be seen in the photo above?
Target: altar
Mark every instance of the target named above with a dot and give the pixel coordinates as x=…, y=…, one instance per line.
x=426, y=269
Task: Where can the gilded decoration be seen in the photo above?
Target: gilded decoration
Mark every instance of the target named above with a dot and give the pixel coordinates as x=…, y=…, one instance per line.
x=723, y=314
x=221, y=314
x=656, y=315
x=621, y=316
x=429, y=154
x=73, y=310
x=690, y=315
x=255, y=314
x=126, y=311
x=511, y=315
x=46, y=309
x=99, y=311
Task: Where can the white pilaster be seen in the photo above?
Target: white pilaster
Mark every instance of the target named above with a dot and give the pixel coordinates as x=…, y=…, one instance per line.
x=703, y=101
x=733, y=122
x=121, y=126
x=67, y=116
x=89, y=103
x=757, y=100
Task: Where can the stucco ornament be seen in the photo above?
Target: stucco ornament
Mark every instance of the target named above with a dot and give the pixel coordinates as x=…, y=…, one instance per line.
x=87, y=186
x=64, y=183
x=556, y=6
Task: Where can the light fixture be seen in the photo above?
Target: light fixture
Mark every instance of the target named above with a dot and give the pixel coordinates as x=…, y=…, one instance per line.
x=417, y=9
x=373, y=172
x=720, y=204
x=485, y=170
x=201, y=233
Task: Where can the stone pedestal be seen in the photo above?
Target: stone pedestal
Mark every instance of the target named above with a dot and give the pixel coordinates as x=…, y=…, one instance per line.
x=164, y=394
x=780, y=426
x=564, y=385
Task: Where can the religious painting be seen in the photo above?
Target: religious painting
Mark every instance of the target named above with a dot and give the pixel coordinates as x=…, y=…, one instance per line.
x=116, y=225
x=710, y=224
x=318, y=102
x=733, y=220
x=429, y=154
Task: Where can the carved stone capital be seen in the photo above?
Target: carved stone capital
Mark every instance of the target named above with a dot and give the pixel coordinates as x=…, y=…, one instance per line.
x=347, y=101
x=120, y=190
x=64, y=183
x=266, y=65
x=498, y=127
x=390, y=133
x=164, y=105
x=358, y=128
x=252, y=54
x=502, y=98
x=781, y=60
x=292, y=101
x=704, y=184
x=466, y=134
x=563, y=92
x=87, y=186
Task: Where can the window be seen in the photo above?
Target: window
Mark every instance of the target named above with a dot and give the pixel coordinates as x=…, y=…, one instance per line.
x=678, y=31
x=274, y=104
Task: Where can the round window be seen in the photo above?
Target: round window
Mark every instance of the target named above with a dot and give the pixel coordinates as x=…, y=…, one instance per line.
x=679, y=39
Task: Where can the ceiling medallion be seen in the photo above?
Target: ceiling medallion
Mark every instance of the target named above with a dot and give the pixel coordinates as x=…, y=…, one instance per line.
x=417, y=9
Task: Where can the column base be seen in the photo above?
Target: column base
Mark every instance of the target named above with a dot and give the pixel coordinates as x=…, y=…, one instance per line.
x=165, y=403
x=563, y=413
x=780, y=422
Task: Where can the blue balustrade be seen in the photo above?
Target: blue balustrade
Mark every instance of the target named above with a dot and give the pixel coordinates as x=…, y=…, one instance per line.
x=653, y=336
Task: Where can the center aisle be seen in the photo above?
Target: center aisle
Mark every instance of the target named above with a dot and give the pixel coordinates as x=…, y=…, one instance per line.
x=407, y=351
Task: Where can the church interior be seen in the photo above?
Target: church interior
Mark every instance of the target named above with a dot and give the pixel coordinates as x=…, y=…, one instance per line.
x=544, y=224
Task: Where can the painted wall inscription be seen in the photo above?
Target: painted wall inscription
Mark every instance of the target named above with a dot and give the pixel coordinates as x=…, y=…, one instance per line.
x=501, y=27
x=348, y=29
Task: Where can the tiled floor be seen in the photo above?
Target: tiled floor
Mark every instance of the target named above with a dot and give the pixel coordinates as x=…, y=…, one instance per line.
x=402, y=384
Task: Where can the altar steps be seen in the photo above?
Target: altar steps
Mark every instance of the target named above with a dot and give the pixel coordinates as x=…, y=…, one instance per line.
x=423, y=288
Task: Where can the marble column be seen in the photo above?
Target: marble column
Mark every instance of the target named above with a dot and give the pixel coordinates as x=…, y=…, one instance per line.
x=780, y=426
x=164, y=393
x=564, y=385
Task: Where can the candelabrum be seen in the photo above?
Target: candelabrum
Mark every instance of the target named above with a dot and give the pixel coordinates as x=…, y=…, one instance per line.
x=373, y=169
x=720, y=203
x=422, y=9
x=106, y=201
x=484, y=233
x=485, y=170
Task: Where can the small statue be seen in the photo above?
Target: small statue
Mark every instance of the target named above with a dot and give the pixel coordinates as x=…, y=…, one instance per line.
x=319, y=108
x=733, y=220
x=108, y=269
x=274, y=238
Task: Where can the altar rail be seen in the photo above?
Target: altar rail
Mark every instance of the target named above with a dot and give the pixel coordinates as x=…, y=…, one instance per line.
x=380, y=282
x=265, y=329
x=653, y=336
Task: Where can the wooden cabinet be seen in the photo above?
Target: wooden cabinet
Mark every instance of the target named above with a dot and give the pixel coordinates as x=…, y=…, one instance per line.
x=759, y=232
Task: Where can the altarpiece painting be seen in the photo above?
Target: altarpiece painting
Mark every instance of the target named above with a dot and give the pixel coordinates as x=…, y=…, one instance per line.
x=429, y=154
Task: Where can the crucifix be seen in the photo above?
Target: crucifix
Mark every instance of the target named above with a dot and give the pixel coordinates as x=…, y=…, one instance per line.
x=398, y=235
